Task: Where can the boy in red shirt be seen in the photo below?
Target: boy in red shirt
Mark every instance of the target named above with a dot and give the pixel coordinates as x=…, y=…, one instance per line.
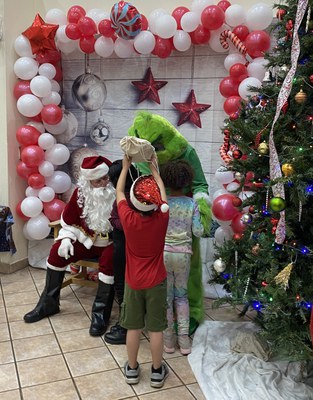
x=144, y=302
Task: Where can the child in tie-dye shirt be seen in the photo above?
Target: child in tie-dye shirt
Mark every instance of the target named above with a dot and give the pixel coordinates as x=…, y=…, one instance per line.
x=184, y=222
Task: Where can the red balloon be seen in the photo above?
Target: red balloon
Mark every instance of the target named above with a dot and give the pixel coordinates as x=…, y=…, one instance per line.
x=144, y=23
x=53, y=209
x=36, y=118
x=48, y=56
x=237, y=225
x=223, y=208
x=51, y=114
x=21, y=87
x=224, y=5
x=257, y=43
x=32, y=155
x=241, y=31
x=87, y=26
x=27, y=135
x=19, y=212
x=75, y=13
x=238, y=71
x=163, y=47
x=36, y=181
x=106, y=29
x=59, y=74
x=72, y=31
x=229, y=87
x=87, y=44
x=232, y=104
x=177, y=13
x=24, y=171
x=212, y=17
x=200, y=35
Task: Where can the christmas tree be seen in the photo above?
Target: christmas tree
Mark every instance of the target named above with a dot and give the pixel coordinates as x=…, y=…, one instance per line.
x=267, y=265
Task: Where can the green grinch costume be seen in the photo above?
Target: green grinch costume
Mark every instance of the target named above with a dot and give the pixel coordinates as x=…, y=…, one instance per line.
x=170, y=145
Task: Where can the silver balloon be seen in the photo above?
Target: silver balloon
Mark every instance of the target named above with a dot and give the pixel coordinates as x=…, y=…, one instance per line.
x=89, y=92
x=100, y=132
x=71, y=130
x=76, y=160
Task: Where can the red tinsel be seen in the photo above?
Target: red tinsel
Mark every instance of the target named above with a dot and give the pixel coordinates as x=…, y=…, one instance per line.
x=147, y=191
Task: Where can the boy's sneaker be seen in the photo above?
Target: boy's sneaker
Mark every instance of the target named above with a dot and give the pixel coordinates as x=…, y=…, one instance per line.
x=131, y=375
x=158, y=378
x=184, y=344
x=169, y=340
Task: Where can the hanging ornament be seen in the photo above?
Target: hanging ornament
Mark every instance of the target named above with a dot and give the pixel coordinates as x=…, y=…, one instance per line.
x=190, y=110
x=238, y=176
x=100, y=132
x=277, y=204
x=149, y=87
x=89, y=92
x=246, y=218
x=236, y=202
x=263, y=148
x=289, y=29
x=219, y=265
x=311, y=78
x=301, y=97
x=287, y=169
x=280, y=13
x=237, y=154
x=283, y=277
x=255, y=249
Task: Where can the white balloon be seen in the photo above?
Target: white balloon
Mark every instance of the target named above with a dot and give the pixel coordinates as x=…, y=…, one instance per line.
x=222, y=234
x=153, y=16
x=189, y=21
x=97, y=15
x=256, y=70
x=235, y=15
x=58, y=154
x=214, y=41
x=224, y=176
x=124, y=48
x=25, y=233
x=46, y=168
x=61, y=36
x=259, y=17
x=181, y=40
x=233, y=58
x=232, y=186
x=59, y=181
x=199, y=5
x=31, y=191
x=29, y=105
x=25, y=68
x=22, y=46
x=38, y=227
x=55, y=86
x=69, y=47
x=48, y=70
x=46, y=194
x=104, y=46
x=56, y=16
x=31, y=206
x=165, y=26
x=52, y=98
x=38, y=125
x=218, y=193
x=245, y=85
x=40, y=86
x=144, y=42
x=58, y=128
x=46, y=141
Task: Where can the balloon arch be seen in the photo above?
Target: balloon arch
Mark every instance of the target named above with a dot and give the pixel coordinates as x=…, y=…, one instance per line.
x=224, y=27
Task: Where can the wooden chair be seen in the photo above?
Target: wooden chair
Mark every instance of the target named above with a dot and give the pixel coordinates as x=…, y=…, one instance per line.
x=81, y=278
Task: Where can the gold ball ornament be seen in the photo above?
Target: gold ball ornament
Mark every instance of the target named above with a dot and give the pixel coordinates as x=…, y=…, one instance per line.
x=287, y=169
x=263, y=148
x=219, y=265
x=301, y=97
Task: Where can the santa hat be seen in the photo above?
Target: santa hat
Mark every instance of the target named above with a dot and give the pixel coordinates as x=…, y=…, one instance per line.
x=145, y=194
x=94, y=167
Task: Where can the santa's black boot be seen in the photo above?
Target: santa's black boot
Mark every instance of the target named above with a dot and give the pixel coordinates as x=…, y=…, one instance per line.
x=117, y=334
x=101, y=309
x=49, y=301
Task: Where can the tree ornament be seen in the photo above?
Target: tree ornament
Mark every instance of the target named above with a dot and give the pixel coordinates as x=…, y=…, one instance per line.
x=237, y=236
x=301, y=97
x=255, y=249
x=239, y=176
x=263, y=148
x=190, y=110
x=277, y=204
x=149, y=87
x=89, y=92
x=237, y=154
x=283, y=277
x=287, y=169
x=247, y=218
x=236, y=201
x=219, y=265
x=311, y=78
x=100, y=132
x=280, y=13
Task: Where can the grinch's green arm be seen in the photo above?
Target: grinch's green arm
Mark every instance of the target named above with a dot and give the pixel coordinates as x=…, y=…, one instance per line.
x=199, y=183
x=143, y=168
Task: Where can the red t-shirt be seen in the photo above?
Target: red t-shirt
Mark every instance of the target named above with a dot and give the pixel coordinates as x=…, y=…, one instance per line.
x=145, y=238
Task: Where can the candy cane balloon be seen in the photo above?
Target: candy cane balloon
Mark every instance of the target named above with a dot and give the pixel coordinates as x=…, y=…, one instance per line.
x=227, y=34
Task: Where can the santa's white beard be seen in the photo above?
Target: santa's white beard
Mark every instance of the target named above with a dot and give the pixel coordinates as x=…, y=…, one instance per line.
x=97, y=209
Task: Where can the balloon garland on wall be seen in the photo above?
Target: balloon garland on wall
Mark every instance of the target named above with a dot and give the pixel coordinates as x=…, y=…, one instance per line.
x=126, y=32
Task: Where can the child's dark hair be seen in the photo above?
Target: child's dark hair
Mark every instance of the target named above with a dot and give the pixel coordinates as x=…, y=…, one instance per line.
x=177, y=174
x=115, y=170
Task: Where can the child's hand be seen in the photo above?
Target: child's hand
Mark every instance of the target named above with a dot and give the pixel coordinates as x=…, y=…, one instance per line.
x=127, y=162
x=154, y=159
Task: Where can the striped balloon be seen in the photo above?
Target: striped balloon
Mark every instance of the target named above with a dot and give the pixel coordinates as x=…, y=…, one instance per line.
x=125, y=20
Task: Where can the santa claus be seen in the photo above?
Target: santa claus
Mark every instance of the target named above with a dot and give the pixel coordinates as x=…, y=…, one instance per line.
x=84, y=234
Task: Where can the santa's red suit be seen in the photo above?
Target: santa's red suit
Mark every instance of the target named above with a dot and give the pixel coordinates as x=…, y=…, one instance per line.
x=86, y=242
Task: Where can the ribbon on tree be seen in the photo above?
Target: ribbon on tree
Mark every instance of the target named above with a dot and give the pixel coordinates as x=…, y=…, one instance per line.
x=227, y=34
x=275, y=170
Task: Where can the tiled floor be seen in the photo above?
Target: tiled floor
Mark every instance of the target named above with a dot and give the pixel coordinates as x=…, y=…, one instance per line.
x=57, y=359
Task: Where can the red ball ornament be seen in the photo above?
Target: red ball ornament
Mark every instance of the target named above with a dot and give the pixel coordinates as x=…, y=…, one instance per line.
x=236, y=202
x=51, y=114
x=237, y=236
x=237, y=154
x=280, y=13
x=311, y=78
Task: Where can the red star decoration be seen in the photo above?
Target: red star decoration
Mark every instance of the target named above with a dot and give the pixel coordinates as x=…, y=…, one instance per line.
x=148, y=87
x=41, y=35
x=190, y=110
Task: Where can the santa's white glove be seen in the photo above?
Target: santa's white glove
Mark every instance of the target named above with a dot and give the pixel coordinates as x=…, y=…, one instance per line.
x=66, y=248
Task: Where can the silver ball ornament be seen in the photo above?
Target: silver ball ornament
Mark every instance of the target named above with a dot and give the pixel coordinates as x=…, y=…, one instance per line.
x=89, y=92
x=219, y=265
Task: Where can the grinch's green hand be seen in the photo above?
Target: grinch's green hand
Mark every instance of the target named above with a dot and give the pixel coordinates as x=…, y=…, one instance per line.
x=205, y=215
